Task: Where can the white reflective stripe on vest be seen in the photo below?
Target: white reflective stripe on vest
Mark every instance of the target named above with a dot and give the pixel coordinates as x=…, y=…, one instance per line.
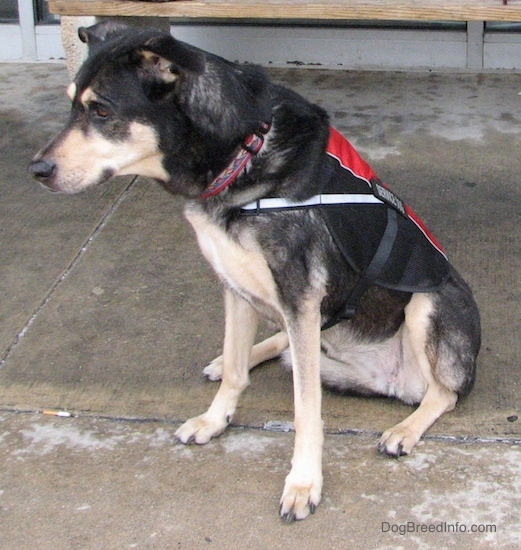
x=316, y=200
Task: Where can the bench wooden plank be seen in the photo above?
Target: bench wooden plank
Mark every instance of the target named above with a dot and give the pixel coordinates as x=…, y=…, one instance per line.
x=385, y=10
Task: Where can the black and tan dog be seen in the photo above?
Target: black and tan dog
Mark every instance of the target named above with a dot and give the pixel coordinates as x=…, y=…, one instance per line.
x=296, y=225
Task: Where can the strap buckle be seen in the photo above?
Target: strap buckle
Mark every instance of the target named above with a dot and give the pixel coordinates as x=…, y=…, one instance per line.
x=253, y=143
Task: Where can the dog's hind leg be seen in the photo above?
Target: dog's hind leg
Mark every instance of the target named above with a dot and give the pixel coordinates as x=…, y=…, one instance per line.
x=240, y=330
x=303, y=487
x=402, y=438
x=263, y=351
x=438, y=398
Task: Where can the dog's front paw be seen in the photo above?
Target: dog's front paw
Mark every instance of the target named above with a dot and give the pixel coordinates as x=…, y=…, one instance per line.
x=398, y=441
x=300, y=499
x=200, y=430
x=214, y=371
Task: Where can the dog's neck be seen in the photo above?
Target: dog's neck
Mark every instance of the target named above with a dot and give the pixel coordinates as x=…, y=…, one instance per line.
x=248, y=149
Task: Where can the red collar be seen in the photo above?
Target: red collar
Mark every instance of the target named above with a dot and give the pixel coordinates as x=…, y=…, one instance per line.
x=249, y=148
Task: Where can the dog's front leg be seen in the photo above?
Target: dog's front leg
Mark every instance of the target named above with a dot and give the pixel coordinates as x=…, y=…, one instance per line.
x=303, y=487
x=240, y=330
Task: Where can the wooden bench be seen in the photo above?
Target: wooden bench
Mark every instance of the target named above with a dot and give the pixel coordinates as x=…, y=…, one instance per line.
x=73, y=12
x=388, y=10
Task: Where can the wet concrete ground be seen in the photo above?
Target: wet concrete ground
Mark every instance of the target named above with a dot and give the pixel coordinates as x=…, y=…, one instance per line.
x=108, y=310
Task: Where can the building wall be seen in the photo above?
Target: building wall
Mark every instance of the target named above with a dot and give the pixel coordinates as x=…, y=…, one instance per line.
x=474, y=46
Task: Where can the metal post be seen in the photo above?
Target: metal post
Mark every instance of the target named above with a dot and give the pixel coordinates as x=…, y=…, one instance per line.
x=26, y=16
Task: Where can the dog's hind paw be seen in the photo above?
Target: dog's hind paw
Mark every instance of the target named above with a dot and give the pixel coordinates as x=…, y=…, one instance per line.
x=398, y=441
x=214, y=370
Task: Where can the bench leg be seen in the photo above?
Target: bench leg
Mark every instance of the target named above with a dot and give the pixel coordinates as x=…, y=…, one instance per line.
x=76, y=51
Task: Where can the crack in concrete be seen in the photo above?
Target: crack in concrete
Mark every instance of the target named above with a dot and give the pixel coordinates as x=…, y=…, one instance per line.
x=67, y=271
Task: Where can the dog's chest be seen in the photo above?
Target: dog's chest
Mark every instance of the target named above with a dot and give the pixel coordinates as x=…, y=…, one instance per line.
x=241, y=265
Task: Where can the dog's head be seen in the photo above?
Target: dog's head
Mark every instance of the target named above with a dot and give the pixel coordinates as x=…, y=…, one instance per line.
x=144, y=103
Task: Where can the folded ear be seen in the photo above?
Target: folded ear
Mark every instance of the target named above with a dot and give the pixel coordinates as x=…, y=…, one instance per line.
x=160, y=49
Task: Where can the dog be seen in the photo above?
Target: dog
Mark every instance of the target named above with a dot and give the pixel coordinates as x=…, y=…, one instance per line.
x=363, y=296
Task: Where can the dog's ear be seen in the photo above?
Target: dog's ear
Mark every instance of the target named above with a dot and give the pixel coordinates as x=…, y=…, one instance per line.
x=105, y=30
x=165, y=57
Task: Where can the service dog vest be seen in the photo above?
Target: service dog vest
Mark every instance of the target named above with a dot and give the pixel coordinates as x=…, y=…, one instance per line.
x=379, y=236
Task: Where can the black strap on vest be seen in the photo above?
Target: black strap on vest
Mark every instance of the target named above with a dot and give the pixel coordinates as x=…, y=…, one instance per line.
x=372, y=271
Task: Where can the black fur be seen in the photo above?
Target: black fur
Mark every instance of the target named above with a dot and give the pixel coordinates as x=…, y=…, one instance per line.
x=201, y=118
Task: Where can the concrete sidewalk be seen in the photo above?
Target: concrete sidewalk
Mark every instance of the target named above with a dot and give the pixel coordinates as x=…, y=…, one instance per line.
x=80, y=483
x=109, y=311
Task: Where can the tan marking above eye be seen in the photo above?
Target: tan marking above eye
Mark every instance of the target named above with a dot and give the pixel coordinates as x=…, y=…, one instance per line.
x=88, y=96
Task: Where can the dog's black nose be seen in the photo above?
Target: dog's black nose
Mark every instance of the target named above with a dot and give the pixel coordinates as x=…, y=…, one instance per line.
x=42, y=170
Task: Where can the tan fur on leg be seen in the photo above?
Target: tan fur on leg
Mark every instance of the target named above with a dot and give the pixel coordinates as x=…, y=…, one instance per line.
x=303, y=487
x=402, y=438
x=263, y=351
x=241, y=327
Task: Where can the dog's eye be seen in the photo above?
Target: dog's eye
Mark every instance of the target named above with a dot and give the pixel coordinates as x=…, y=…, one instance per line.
x=99, y=111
